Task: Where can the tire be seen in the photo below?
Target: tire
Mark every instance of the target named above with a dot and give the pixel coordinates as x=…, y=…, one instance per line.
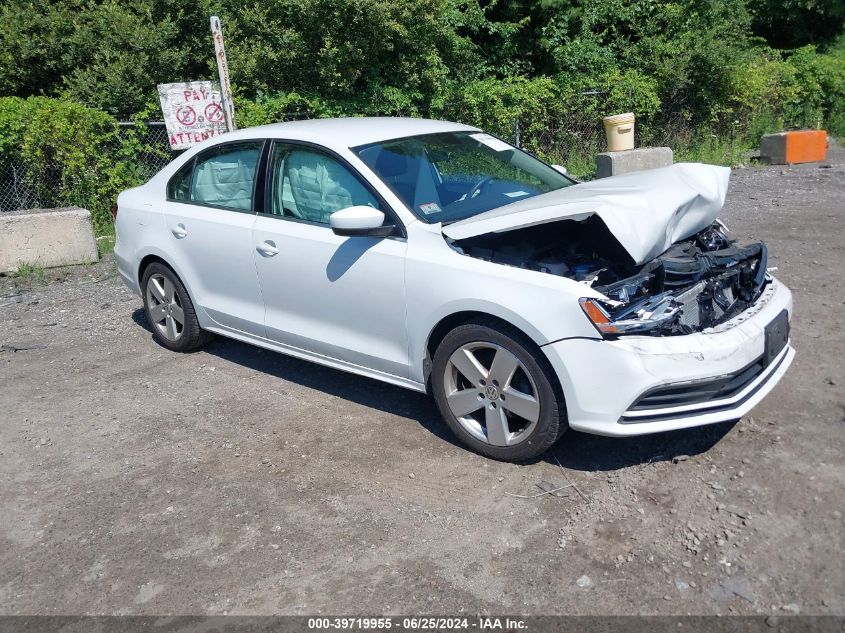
x=166, y=301
x=512, y=404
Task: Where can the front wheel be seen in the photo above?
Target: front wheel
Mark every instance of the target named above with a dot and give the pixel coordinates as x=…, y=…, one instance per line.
x=497, y=392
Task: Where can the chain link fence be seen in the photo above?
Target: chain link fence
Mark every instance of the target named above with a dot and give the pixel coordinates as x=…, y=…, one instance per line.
x=22, y=187
x=155, y=148
x=15, y=190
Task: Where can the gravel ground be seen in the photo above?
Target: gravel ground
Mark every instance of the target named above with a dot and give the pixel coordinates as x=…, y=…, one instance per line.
x=235, y=480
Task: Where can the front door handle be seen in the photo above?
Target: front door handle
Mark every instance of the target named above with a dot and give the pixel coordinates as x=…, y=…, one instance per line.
x=268, y=248
x=179, y=231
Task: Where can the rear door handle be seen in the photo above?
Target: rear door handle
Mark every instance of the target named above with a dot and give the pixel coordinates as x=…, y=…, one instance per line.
x=179, y=231
x=267, y=248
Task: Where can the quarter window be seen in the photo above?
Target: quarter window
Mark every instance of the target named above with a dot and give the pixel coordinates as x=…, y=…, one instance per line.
x=311, y=185
x=225, y=177
x=179, y=187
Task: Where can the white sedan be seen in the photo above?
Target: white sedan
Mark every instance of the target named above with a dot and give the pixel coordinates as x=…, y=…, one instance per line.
x=436, y=257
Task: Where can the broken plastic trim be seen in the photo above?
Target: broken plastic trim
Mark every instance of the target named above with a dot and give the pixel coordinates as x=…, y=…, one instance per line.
x=651, y=315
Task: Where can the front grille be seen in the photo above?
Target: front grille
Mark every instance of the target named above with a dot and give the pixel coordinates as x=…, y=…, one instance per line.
x=699, y=392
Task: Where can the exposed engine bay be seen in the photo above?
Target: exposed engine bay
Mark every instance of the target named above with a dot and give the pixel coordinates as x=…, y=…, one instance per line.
x=698, y=282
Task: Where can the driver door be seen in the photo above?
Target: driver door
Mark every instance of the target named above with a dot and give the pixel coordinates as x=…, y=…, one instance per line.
x=340, y=297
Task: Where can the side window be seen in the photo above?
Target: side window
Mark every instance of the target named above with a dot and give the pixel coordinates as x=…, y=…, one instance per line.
x=179, y=187
x=225, y=177
x=311, y=185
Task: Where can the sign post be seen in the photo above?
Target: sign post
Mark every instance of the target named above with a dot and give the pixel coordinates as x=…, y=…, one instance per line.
x=223, y=73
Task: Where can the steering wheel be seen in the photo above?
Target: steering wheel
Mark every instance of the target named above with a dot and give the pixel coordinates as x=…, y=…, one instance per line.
x=476, y=189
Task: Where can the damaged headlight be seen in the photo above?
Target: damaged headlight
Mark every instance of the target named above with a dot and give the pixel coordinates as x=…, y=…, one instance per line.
x=644, y=317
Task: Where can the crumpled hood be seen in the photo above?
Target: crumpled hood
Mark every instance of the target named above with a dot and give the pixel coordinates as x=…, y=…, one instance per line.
x=646, y=211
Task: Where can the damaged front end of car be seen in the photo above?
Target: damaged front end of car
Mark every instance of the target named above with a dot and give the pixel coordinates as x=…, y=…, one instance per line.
x=697, y=283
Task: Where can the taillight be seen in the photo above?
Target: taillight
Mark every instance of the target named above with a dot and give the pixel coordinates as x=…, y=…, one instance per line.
x=114, y=211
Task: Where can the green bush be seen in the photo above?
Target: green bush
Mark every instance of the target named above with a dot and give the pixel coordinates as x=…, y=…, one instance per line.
x=687, y=68
x=377, y=56
x=495, y=105
x=106, y=53
x=695, y=72
x=281, y=107
x=793, y=23
x=72, y=155
x=821, y=86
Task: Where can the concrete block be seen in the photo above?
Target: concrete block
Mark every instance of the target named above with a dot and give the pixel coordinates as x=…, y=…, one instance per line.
x=615, y=163
x=790, y=148
x=46, y=237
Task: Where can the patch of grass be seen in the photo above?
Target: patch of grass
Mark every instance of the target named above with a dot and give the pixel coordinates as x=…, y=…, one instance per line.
x=106, y=239
x=581, y=166
x=30, y=273
x=580, y=162
x=714, y=150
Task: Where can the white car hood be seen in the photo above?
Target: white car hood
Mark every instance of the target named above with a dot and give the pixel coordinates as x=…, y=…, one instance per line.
x=646, y=211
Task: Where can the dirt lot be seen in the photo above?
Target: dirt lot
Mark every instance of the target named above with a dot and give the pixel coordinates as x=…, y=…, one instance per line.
x=235, y=480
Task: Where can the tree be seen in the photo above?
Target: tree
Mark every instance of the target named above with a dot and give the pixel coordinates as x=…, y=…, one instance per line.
x=379, y=54
x=790, y=24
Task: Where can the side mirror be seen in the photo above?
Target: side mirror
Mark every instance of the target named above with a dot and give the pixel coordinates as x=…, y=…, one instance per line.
x=560, y=169
x=359, y=221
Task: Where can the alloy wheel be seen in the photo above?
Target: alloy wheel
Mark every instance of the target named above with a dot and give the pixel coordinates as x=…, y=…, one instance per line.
x=491, y=394
x=164, y=308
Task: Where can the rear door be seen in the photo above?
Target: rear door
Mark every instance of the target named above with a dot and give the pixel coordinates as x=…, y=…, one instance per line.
x=341, y=297
x=210, y=217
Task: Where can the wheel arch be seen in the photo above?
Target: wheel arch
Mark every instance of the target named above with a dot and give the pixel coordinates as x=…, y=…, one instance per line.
x=150, y=259
x=155, y=257
x=449, y=322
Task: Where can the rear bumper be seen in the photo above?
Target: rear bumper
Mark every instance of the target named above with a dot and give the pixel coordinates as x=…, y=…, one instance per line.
x=126, y=268
x=640, y=385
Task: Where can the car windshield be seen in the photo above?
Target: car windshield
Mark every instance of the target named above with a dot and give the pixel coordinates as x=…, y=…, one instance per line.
x=450, y=176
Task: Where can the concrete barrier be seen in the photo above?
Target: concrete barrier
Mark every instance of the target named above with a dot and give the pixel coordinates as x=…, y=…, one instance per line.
x=615, y=163
x=46, y=237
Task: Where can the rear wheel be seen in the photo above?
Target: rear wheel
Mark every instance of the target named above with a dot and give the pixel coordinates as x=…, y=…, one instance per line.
x=170, y=311
x=497, y=392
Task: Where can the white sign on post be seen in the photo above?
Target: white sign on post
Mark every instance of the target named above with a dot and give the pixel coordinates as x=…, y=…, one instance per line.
x=193, y=111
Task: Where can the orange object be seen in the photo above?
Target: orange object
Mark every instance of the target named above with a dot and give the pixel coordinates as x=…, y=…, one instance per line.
x=789, y=148
x=806, y=146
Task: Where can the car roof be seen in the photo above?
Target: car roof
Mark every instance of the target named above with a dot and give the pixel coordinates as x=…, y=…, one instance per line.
x=350, y=131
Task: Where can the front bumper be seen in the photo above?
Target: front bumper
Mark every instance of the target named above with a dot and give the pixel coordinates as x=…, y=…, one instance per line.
x=606, y=383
